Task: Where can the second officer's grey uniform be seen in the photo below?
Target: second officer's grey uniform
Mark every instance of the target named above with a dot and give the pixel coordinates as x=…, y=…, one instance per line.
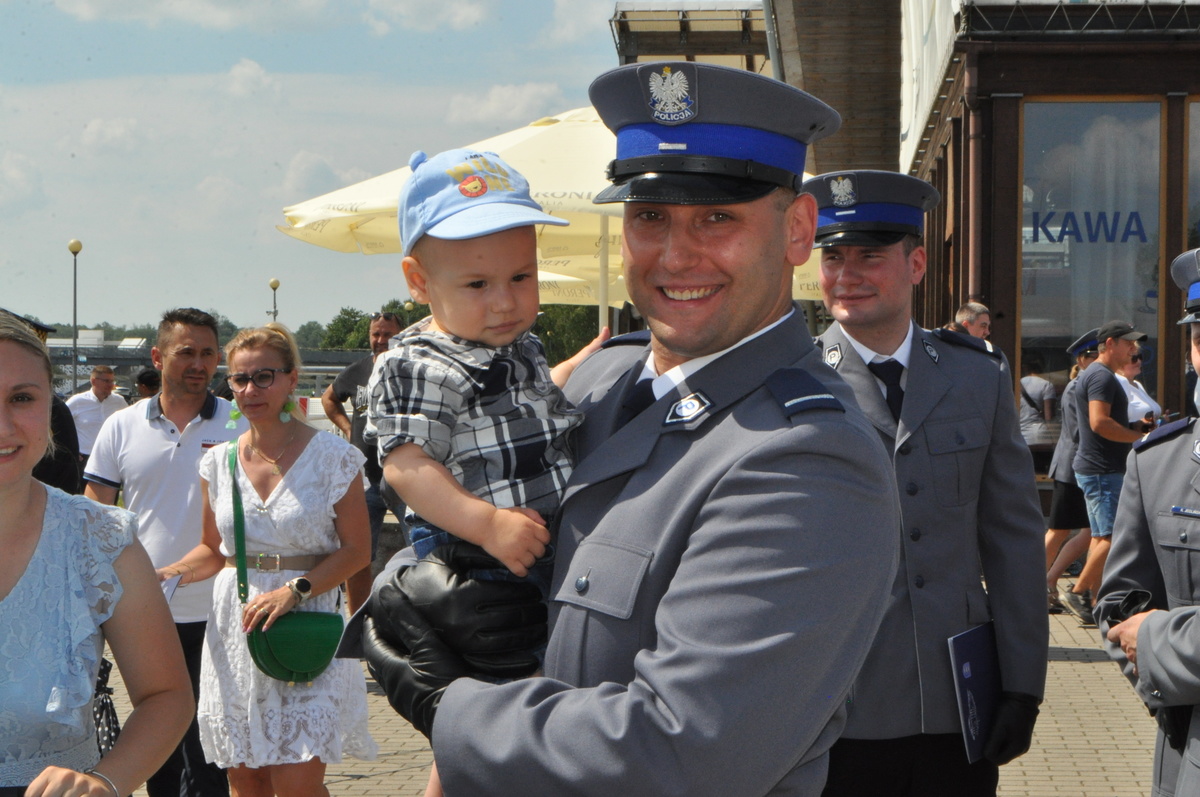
x=1155, y=564
x=967, y=493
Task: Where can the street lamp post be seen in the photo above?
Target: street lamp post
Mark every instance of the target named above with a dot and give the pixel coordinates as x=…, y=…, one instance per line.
x=274, y=283
x=74, y=247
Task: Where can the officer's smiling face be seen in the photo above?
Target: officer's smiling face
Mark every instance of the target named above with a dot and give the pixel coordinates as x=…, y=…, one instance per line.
x=706, y=276
x=869, y=288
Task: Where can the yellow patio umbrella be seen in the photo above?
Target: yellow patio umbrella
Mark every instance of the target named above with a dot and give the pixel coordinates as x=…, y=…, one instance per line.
x=564, y=158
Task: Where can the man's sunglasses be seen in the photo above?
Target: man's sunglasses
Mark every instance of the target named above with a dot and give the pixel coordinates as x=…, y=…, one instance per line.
x=385, y=316
x=1136, y=358
x=263, y=377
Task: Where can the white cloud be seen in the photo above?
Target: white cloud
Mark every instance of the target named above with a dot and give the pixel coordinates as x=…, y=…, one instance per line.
x=211, y=14
x=426, y=15
x=110, y=134
x=576, y=19
x=248, y=78
x=309, y=175
x=176, y=179
x=379, y=15
x=514, y=103
x=20, y=182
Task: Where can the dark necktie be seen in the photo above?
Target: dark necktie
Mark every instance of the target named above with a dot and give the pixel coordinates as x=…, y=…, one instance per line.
x=889, y=372
x=638, y=398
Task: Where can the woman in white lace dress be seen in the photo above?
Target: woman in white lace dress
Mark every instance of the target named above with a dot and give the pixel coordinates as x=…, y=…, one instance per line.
x=72, y=577
x=303, y=501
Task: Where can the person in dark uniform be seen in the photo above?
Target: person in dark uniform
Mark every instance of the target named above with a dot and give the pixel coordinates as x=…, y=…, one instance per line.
x=943, y=404
x=1148, y=607
x=1068, y=508
x=702, y=641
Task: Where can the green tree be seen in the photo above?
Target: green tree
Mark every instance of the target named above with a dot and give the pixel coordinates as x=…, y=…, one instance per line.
x=310, y=335
x=565, y=329
x=226, y=329
x=340, y=333
x=408, y=311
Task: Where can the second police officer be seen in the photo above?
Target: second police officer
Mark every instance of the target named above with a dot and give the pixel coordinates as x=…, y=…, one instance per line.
x=1149, y=602
x=943, y=404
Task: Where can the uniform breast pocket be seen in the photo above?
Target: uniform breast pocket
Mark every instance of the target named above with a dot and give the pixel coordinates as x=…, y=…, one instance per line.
x=605, y=576
x=957, y=450
x=1178, y=540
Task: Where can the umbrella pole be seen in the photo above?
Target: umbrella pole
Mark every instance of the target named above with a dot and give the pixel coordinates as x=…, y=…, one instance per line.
x=603, y=287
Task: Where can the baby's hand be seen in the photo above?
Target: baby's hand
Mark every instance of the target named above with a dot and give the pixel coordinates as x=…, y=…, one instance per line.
x=517, y=537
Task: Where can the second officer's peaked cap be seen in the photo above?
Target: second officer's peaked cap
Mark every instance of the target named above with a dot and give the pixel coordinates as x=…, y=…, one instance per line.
x=1185, y=271
x=869, y=208
x=700, y=134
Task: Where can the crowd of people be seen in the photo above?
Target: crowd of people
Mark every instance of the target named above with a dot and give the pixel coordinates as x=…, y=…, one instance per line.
x=628, y=573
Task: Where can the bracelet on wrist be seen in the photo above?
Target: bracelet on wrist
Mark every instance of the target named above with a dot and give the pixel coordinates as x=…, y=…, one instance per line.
x=105, y=779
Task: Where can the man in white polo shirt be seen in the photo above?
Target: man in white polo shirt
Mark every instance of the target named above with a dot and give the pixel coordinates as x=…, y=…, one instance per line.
x=152, y=451
x=93, y=407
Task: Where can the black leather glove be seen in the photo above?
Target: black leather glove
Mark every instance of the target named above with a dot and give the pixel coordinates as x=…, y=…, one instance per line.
x=496, y=626
x=431, y=624
x=414, y=669
x=1012, y=728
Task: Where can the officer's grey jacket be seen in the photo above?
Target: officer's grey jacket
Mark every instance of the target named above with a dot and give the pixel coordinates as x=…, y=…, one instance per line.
x=970, y=509
x=1156, y=547
x=1061, y=467
x=722, y=567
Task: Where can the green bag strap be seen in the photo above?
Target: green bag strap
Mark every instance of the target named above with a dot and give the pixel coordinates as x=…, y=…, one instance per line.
x=239, y=524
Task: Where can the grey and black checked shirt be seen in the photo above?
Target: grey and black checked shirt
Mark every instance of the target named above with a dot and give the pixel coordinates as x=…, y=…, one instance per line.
x=492, y=416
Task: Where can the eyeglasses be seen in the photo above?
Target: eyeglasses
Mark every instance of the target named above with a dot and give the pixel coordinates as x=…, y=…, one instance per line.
x=263, y=377
x=385, y=316
x=1136, y=357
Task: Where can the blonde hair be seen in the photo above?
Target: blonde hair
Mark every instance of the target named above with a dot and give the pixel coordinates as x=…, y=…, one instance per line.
x=273, y=336
x=15, y=330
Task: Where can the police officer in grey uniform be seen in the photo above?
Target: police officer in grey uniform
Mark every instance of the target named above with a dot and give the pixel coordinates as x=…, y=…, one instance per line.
x=943, y=404
x=1148, y=608
x=703, y=640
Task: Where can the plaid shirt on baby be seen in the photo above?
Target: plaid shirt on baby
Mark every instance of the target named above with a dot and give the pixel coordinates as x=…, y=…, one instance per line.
x=492, y=416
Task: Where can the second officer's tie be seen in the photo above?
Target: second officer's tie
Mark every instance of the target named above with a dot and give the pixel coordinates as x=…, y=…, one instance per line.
x=889, y=372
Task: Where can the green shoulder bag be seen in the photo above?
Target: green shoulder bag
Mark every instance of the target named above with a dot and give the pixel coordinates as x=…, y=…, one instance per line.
x=300, y=645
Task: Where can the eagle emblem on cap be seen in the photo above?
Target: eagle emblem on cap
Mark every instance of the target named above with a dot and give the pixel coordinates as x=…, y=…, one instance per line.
x=842, y=189
x=670, y=98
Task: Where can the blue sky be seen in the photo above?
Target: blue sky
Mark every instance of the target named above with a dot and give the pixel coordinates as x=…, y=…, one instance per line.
x=167, y=135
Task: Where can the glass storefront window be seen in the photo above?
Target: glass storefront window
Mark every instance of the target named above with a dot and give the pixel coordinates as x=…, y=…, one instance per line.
x=1090, y=245
x=1193, y=183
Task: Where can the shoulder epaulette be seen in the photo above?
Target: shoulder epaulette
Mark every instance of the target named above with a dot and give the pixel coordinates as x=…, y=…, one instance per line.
x=797, y=390
x=1164, y=432
x=639, y=338
x=967, y=341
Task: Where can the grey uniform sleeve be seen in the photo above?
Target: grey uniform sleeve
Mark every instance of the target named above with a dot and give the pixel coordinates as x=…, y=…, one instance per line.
x=1012, y=550
x=1168, y=649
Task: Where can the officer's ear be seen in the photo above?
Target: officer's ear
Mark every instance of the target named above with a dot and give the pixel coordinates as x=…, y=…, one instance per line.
x=801, y=227
x=916, y=260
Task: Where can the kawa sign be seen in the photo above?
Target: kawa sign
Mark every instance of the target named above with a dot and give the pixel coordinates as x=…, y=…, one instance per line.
x=1090, y=226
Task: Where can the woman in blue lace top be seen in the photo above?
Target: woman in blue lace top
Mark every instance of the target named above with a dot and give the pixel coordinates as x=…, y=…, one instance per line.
x=71, y=578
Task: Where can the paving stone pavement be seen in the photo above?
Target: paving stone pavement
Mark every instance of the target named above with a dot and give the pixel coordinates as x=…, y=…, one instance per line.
x=1093, y=737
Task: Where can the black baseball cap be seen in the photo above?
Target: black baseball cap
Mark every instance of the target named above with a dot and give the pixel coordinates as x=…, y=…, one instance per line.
x=1121, y=330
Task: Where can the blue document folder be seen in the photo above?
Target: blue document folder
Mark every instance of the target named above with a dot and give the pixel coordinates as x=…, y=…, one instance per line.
x=976, y=684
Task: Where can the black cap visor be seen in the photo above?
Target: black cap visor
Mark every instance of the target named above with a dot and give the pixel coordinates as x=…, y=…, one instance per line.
x=684, y=188
x=861, y=238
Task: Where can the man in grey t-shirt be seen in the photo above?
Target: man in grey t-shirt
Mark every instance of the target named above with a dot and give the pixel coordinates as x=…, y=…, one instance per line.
x=1104, y=442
